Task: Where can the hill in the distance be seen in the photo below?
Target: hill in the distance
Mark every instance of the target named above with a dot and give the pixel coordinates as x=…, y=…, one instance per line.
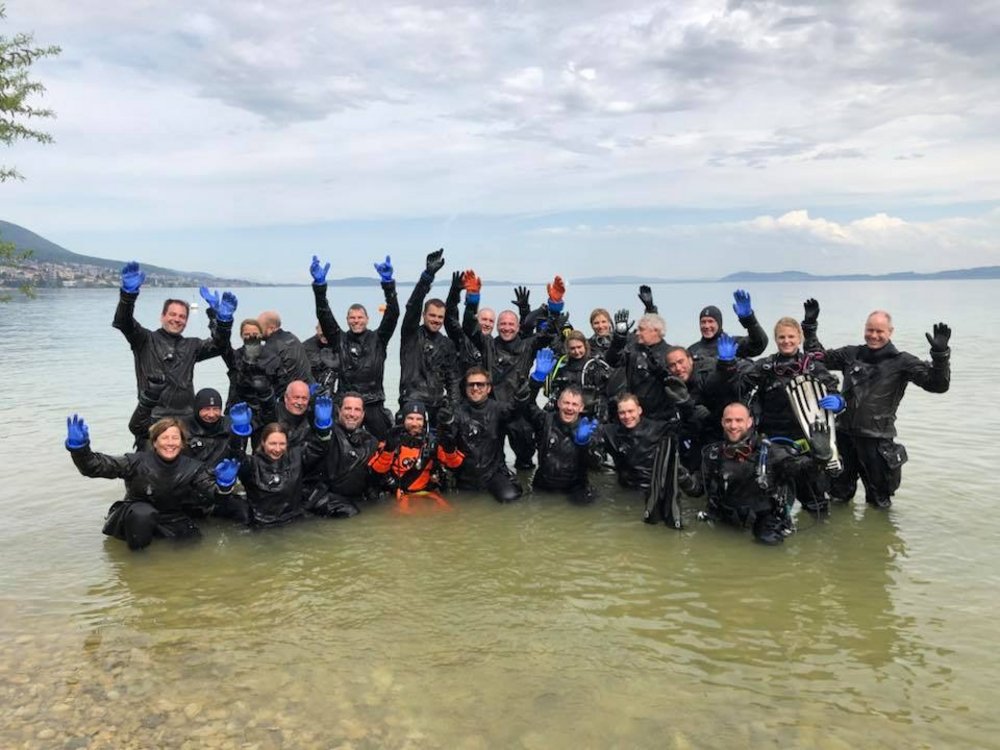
x=44, y=251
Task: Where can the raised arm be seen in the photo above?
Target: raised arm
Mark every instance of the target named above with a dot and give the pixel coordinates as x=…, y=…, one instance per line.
x=414, y=305
x=391, y=315
x=324, y=315
x=131, y=282
x=756, y=340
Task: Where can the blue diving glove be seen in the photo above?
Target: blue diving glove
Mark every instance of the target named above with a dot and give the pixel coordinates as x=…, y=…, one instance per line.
x=240, y=417
x=742, y=308
x=132, y=277
x=727, y=347
x=211, y=298
x=385, y=270
x=323, y=413
x=833, y=402
x=226, y=471
x=227, y=306
x=77, y=433
x=545, y=360
x=584, y=430
x=318, y=272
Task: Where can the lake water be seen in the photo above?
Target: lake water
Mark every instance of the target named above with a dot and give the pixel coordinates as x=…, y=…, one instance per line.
x=534, y=625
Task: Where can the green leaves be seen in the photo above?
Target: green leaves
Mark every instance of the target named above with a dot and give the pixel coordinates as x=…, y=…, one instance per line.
x=17, y=55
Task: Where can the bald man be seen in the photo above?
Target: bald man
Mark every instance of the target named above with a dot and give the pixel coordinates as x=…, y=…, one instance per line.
x=876, y=374
x=286, y=347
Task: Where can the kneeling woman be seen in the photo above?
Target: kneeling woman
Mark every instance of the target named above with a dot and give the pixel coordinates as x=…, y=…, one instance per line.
x=158, y=483
x=273, y=474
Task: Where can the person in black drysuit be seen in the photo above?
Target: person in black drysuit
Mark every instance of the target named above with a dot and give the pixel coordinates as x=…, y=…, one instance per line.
x=763, y=383
x=285, y=347
x=361, y=351
x=507, y=357
x=165, y=353
x=710, y=324
x=875, y=378
x=600, y=322
x=159, y=483
x=206, y=430
x=562, y=437
x=480, y=425
x=635, y=445
x=589, y=374
x=428, y=362
x=344, y=479
x=273, y=475
x=291, y=410
x=253, y=377
x=469, y=354
x=709, y=390
x=324, y=361
x=631, y=441
x=643, y=361
x=749, y=481
x=207, y=439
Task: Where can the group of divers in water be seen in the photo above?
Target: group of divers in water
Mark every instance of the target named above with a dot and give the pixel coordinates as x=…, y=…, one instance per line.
x=751, y=435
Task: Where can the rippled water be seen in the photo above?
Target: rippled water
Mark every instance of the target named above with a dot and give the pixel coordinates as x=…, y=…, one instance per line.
x=534, y=625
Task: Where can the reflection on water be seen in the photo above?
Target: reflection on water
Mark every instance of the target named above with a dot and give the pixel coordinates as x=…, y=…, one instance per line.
x=537, y=625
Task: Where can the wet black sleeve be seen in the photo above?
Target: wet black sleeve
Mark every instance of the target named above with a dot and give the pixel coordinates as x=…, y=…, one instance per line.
x=391, y=315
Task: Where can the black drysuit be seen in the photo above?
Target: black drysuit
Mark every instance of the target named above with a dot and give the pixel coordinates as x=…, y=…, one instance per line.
x=362, y=355
x=874, y=383
x=167, y=355
x=156, y=493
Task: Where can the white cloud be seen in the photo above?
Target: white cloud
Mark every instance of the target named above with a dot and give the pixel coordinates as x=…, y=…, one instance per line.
x=231, y=114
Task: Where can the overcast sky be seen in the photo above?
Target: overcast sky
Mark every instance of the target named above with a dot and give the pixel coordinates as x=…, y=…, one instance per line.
x=675, y=139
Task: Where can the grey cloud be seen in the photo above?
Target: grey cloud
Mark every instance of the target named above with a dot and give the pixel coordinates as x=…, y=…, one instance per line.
x=760, y=154
x=838, y=153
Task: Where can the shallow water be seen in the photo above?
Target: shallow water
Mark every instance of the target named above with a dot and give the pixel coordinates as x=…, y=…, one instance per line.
x=535, y=625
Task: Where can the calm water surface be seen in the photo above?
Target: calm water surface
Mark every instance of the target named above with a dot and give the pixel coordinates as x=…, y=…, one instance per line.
x=536, y=625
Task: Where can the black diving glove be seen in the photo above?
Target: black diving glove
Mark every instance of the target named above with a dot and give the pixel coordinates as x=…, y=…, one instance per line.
x=820, y=441
x=455, y=290
x=939, y=341
x=150, y=395
x=622, y=324
x=676, y=390
x=646, y=297
x=445, y=416
x=394, y=439
x=811, y=308
x=521, y=296
x=435, y=261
